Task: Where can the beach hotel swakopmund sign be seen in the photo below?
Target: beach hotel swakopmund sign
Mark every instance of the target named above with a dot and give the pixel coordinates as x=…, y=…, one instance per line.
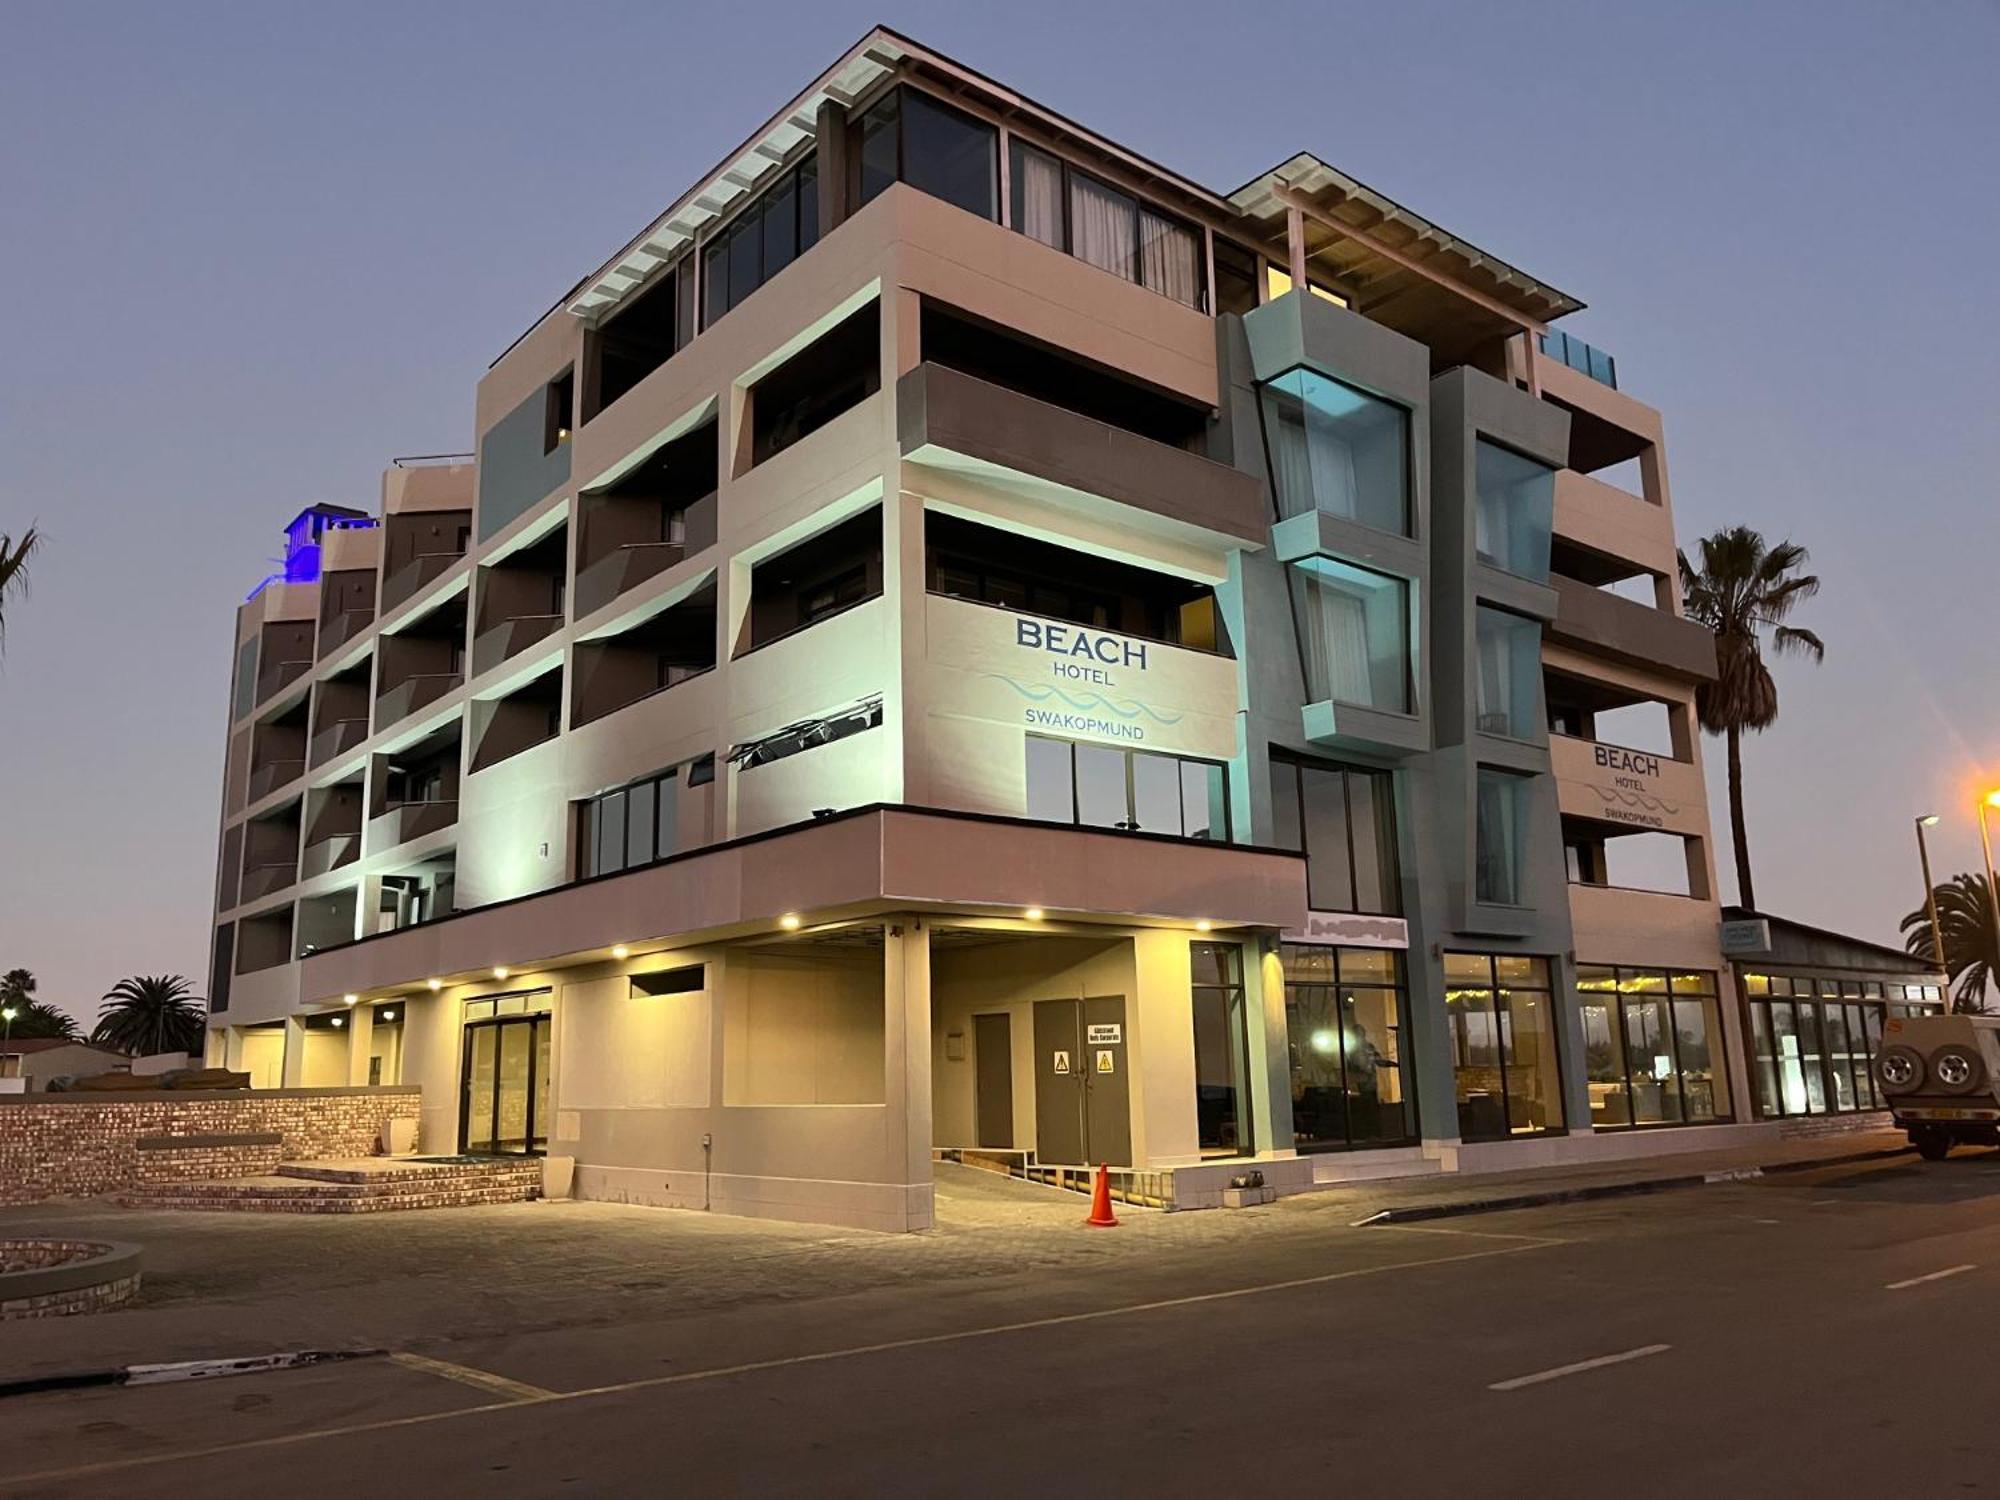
x=1042, y=676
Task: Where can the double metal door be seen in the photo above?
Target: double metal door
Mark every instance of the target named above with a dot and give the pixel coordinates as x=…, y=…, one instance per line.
x=1083, y=1099
x=504, y=1104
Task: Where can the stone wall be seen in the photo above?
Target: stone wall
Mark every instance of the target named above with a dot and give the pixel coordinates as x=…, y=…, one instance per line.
x=54, y=1278
x=80, y=1145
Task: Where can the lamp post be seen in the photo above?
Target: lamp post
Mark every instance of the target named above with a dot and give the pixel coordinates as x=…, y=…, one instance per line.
x=1930, y=820
x=7, y=1014
x=1991, y=799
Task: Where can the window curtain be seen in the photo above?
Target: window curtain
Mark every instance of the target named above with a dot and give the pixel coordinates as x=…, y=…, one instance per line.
x=1337, y=643
x=1335, y=489
x=1496, y=679
x=1290, y=460
x=1169, y=258
x=1102, y=226
x=1039, y=188
x=1498, y=838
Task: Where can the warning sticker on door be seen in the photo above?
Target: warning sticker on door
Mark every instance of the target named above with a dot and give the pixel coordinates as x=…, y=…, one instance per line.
x=1104, y=1062
x=1062, y=1062
x=1107, y=1035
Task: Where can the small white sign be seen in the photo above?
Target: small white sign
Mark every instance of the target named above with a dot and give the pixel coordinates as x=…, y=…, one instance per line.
x=1104, y=1062
x=1062, y=1062
x=1749, y=937
x=1109, y=1034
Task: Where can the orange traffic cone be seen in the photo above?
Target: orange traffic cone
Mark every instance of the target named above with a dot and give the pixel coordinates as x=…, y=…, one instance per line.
x=1101, y=1216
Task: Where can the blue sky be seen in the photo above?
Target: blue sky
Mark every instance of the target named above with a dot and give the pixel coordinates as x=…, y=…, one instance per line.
x=254, y=252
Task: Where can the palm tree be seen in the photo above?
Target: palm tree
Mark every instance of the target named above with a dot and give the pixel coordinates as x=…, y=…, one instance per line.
x=38, y=1020
x=1971, y=946
x=14, y=569
x=1742, y=590
x=151, y=1013
x=17, y=989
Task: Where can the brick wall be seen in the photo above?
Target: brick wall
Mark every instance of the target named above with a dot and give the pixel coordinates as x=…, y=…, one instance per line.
x=72, y=1146
x=206, y=1158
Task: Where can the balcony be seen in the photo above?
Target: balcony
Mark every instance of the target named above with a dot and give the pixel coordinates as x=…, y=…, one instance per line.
x=953, y=421
x=510, y=638
x=647, y=520
x=338, y=629
x=1610, y=522
x=410, y=579
x=1585, y=359
x=329, y=854
x=412, y=693
x=263, y=879
x=1601, y=624
x=267, y=778
x=336, y=739
x=403, y=821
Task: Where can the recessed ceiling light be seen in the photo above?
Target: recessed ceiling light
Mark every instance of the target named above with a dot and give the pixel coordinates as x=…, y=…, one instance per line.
x=437, y=984
x=619, y=950
x=1203, y=925
x=340, y=1020
x=1034, y=914
x=499, y=971
x=349, y=999
x=789, y=921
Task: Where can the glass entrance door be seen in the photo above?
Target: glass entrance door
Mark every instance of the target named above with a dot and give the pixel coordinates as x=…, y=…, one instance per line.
x=505, y=1097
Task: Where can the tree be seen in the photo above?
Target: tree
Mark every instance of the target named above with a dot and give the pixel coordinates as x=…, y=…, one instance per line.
x=1971, y=947
x=151, y=1013
x=31, y=1017
x=17, y=988
x=14, y=570
x=1743, y=591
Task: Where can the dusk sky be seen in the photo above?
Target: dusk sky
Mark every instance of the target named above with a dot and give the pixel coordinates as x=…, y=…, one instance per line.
x=253, y=252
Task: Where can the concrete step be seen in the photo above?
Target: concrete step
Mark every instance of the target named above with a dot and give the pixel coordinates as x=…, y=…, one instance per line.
x=368, y=1173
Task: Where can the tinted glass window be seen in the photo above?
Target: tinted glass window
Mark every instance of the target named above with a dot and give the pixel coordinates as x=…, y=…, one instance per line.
x=950, y=155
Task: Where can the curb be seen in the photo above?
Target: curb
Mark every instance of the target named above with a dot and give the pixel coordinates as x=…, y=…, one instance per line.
x=187, y=1369
x=1418, y=1212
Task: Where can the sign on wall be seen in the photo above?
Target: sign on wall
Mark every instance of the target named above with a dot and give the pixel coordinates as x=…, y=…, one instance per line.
x=1628, y=783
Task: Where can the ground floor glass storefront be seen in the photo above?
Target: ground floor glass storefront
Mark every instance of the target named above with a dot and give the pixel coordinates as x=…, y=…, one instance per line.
x=1815, y=1039
x=1652, y=1041
x=1344, y=1010
x=1500, y=1011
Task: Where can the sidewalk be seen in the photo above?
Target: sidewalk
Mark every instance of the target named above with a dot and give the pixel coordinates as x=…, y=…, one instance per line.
x=1404, y=1201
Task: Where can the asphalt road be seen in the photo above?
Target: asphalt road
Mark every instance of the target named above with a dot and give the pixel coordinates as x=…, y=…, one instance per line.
x=1827, y=1333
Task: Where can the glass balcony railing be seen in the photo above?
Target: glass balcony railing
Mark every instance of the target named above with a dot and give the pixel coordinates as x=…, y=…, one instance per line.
x=1585, y=359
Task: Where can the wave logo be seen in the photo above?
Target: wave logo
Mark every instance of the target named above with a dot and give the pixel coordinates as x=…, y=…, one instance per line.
x=1044, y=692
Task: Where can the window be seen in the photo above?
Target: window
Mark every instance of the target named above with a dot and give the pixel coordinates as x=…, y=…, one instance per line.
x=1221, y=1050
x=643, y=334
x=1338, y=450
x=1500, y=1012
x=1354, y=635
x=809, y=734
x=816, y=579
x=768, y=235
x=635, y=825
x=1515, y=511
x=1343, y=1024
x=688, y=980
x=1069, y=210
x=908, y=136
x=1235, y=278
x=835, y=372
x=1501, y=826
x=1103, y=786
x=1278, y=281
x=1507, y=696
x=1649, y=1047
x=1814, y=1042
x=558, y=413
x=1343, y=819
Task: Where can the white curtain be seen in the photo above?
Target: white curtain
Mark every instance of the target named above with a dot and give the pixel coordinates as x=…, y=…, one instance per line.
x=1337, y=643
x=1169, y=258
x=1496, y=677
x=1102, y=226
x=1038, y=184
x=1289, y=456
x=1332, y=456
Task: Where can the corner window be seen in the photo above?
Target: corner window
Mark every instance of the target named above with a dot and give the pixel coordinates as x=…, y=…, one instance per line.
x=1343, y=819
x=1501, y=820
x=1338, y=450
x=1103, y=786
x=1507, y=694
x=1354, y=633
x=1500, y=1015
x=1515, y=511
x=1069, y=210
x=908, y=136
x=768, y=235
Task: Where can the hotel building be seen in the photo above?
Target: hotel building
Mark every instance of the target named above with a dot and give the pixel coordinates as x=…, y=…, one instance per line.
x=958, y=638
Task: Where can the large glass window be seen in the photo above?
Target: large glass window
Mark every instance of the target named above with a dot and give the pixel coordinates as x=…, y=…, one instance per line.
x=908, y=136
x=638, y=824
x=768, y=235
x=1340, y=450
x=1499, y=835
x=1509, y=686
x=1069, y=210
x=1501, y=1015
x=1107, y=786
x=1343, y=819
x=1355, y=635
x=1647, y=1054
x=1343, y=1021
x=1814, y=1041
x=1515, y=512
x=1221, y=1050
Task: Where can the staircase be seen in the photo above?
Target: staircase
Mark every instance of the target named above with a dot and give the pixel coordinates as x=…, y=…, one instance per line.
x=359, y=1186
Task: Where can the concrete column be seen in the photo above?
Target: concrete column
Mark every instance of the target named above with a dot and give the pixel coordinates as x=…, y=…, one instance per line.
x=906, y=998
x=232, y=1048
x=1270, y=1053
x=360, y=1036
x=831, y=129
x=295, y=1052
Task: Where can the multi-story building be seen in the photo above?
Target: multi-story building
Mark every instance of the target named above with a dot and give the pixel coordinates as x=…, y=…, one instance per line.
x=958, y=637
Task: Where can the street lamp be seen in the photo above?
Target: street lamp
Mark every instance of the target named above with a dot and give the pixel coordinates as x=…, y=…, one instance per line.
x=1930, y=820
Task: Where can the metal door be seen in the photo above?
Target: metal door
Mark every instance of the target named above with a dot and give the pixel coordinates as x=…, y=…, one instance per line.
x=1059, y=1082
x=1107, y=1089
x=993, y=1065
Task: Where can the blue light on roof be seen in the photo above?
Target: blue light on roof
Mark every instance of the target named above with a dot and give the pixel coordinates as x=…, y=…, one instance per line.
x=300, y=564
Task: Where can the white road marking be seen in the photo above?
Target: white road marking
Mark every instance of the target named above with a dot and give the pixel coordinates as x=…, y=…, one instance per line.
x=1897, y=1286
x=721, y=1372
x=1578, y=1368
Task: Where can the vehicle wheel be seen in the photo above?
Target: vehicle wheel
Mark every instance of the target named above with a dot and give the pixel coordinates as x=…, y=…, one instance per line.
x=1899, y=1069
x=1932, y=1143
x=1957, y=1070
